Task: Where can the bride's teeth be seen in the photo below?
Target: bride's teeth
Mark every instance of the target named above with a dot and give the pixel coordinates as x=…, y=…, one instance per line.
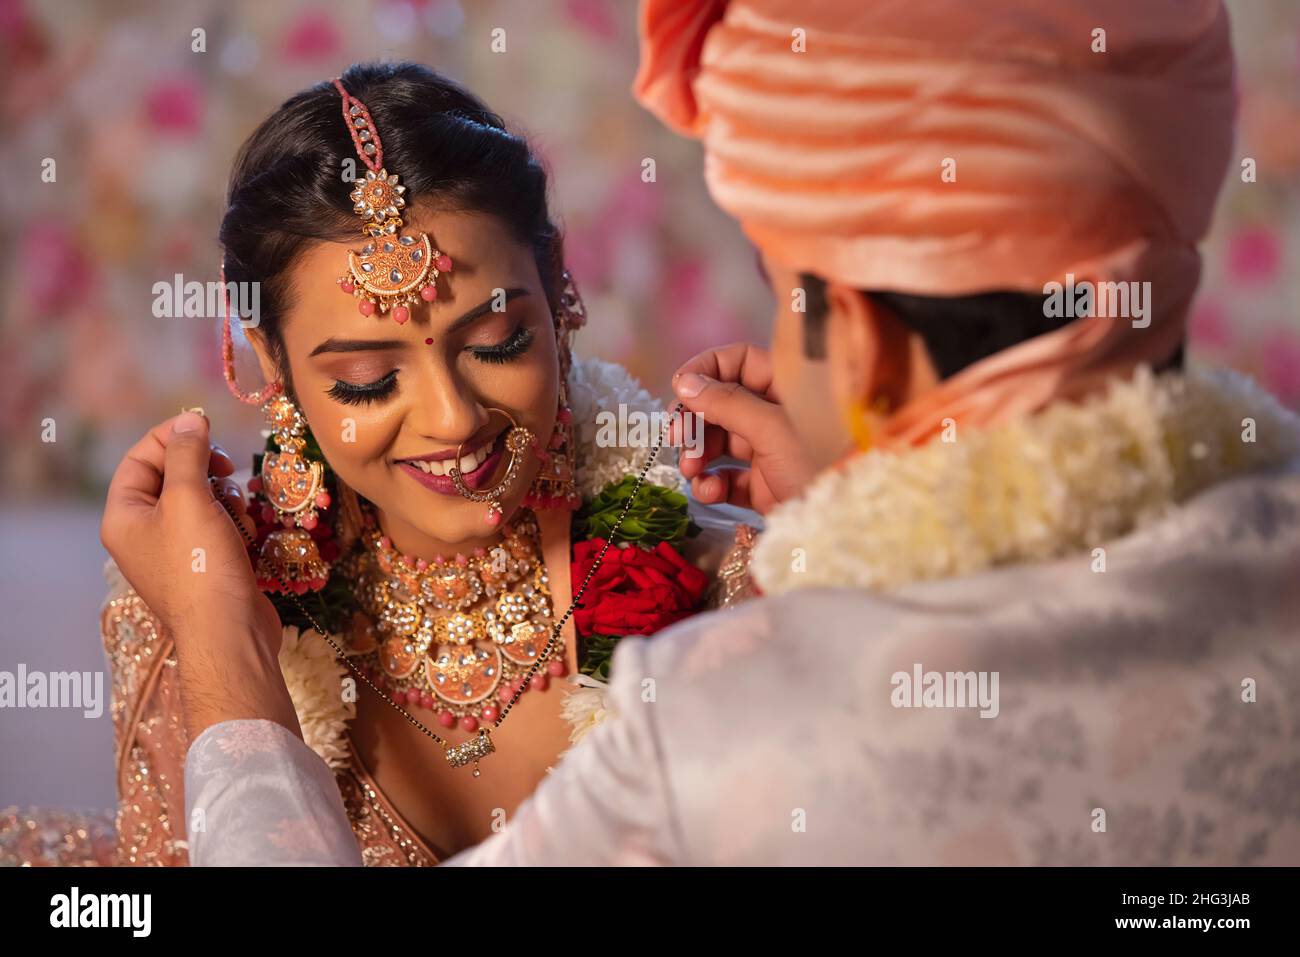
x=468, y=463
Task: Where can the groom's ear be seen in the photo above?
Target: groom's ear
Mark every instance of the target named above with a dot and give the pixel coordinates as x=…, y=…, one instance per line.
x=868, y=349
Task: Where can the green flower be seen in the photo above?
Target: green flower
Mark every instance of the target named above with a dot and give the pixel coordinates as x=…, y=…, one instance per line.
x=657, y=514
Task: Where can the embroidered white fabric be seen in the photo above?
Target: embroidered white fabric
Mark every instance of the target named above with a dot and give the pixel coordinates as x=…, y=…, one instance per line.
x=256, y=794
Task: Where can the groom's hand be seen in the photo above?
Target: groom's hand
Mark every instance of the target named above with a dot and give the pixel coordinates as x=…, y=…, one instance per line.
x=731, y=389
x=170, y=536
x=186, y=558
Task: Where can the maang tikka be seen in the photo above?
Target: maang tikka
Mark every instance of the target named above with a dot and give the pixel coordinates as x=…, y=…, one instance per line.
x=391, y=271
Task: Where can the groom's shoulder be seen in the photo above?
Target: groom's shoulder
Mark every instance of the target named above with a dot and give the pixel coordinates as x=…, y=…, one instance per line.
x=751, y=645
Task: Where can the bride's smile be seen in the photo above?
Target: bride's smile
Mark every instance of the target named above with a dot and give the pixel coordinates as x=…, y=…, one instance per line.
x=478, y=465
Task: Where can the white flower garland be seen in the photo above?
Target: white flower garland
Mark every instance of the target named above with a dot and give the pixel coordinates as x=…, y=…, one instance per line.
x=1069, y=478
x=315, y=677
x=586, y=706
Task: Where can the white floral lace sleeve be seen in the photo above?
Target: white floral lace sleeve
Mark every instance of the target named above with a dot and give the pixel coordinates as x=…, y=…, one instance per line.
x=256, y=795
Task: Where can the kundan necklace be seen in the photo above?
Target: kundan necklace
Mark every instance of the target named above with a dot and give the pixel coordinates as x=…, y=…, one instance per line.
x=456, y=637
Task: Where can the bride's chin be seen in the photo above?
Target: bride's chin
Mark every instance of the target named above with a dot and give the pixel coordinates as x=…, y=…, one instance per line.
x=460, y=527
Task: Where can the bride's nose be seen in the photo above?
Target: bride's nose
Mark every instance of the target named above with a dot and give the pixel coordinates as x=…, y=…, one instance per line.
x=447, y=411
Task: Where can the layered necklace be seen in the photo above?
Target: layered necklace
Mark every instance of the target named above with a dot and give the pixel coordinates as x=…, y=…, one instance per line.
x=460, y=636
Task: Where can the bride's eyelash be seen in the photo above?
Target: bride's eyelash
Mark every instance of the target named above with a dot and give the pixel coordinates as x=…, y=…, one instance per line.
x=351, y=394
x=512, y=348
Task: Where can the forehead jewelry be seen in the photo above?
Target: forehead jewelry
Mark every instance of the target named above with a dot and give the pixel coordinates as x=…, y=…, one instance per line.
x=518, y=440
x=390, y=271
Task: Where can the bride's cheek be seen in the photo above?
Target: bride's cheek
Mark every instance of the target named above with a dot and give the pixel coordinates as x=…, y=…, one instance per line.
x=351, y=440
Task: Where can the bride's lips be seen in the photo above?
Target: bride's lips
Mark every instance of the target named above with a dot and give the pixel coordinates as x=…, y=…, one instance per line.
x=477, y=479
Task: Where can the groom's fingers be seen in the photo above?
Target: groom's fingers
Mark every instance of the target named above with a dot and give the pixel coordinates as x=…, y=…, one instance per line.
x=186, y=457
x=691, y=460
x=230, y=491
x=697, y=453
x=138, y=479
x=724, y=485
x=749, y=419
x=741, y=362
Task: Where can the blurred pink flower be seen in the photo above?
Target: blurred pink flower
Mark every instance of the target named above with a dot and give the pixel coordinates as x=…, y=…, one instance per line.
x=56, y=270
x=691, y=315
x=175, y=106
x=634, y=203
x=313, y=36
x=586, y=255
x=1254, y=254
x=1208, y=325
x=1280, y=365
x=631, y=207
x=594, y=17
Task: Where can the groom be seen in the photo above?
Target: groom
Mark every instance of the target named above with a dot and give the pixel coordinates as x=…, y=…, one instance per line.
x=1023, y=601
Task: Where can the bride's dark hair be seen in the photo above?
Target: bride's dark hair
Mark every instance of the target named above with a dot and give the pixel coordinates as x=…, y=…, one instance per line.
x=287, y=188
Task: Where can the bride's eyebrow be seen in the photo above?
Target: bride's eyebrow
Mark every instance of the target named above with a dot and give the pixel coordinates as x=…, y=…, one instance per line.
x=501, y=296
x=376, y=345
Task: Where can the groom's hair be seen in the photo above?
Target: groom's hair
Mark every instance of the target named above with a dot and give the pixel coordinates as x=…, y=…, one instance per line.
x=957, y=331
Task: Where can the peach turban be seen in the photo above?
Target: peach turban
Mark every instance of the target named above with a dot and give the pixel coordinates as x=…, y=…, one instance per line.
x=944, y=147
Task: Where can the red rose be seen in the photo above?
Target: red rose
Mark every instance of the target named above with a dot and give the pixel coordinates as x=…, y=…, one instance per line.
x=635, y=591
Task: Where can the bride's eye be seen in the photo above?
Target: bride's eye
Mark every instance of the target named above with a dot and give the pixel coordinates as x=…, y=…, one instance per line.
x=512, y=348
x=350, y=393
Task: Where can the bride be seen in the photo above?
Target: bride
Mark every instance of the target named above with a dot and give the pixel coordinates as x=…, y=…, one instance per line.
x=432, y=481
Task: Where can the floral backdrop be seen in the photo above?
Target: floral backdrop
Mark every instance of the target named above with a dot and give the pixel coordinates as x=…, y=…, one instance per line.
x=142, y=130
